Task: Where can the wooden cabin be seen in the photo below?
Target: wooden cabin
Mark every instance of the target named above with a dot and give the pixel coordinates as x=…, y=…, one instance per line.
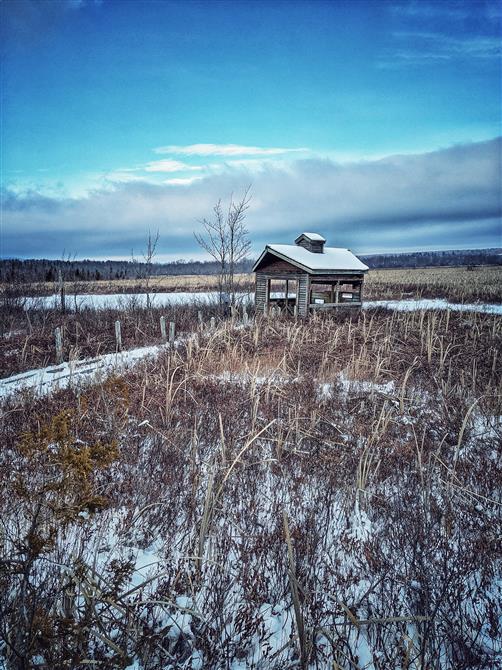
x=305, y=276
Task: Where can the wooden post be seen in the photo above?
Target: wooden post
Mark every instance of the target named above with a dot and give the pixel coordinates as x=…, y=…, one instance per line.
x=332, y=293
x=286, y=295
x=172, y=330
x=118, y=336
x=61, y=290
x=336, y=294
x=245, y=319
x=297, y=297
x=213, y=323
x=199, y=317
x=59, y=345
x=163, y=333
x=267, y=302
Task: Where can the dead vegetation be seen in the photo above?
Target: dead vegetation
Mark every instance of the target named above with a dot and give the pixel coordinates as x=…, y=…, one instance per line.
x=27, y=340
x=284, y=495
x=456, y=284
x=157, y=284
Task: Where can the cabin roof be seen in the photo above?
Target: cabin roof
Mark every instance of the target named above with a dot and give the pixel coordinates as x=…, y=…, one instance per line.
x=332, y=258
x=315, y=237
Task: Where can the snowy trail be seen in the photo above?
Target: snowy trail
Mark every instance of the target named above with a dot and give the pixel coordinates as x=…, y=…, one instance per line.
x=54, y=377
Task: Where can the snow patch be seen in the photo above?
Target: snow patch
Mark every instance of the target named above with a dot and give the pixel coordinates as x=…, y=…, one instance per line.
x=55, y=377
x=436, y=303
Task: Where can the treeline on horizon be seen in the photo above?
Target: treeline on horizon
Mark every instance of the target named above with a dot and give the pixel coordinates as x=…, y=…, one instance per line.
x=45, y=270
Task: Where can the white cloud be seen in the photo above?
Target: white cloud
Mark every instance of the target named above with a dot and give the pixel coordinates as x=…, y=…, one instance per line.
x=169, y=166
x=181, y=181
x=446, y=198
x=119, y=176
x=224, y=150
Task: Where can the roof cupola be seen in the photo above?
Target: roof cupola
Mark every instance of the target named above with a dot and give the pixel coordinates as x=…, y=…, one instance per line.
x=313, y=242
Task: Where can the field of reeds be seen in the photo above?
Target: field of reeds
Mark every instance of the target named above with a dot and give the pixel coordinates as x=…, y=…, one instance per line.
x=321, y=494
x=156, y=284
x=27, y=335
x=457, y=284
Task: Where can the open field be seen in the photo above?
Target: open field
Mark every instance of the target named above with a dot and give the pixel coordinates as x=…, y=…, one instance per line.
x=311, y=495
x=28, y=334
x=156, y=284
x=458, y=284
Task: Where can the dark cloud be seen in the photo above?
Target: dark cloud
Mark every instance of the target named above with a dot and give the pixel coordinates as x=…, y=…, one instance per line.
x=447, y=198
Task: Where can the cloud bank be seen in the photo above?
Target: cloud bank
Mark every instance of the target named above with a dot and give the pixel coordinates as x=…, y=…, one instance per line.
x=443, y=199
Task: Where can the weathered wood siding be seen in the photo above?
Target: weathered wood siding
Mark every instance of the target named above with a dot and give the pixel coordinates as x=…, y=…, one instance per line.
x=272, y=268
x=303, y=293
x=347, y=277
x=315, y=246
x=273, y=265
x=261, y=292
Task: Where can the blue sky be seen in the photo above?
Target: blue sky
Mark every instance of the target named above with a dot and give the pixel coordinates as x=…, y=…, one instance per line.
x=373, y=122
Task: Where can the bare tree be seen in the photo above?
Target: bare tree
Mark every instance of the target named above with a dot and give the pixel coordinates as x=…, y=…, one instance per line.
x=226, y=240
x=145, y=268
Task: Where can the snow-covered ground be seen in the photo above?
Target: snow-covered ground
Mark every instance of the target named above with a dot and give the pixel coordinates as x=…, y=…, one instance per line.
x=125, y=300
x=358, y=570
x=54, y=377
x=46, y=380
x=121, y=300
x=435, y=303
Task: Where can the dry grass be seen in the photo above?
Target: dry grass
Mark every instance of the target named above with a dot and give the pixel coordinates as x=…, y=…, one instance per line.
x=305, y=494
x=28, y=336
x=158, y=284
x=27, y=340
x=455, y=284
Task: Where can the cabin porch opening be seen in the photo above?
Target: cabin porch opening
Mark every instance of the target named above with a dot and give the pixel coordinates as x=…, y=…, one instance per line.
x=282, y=293
x=325, y=294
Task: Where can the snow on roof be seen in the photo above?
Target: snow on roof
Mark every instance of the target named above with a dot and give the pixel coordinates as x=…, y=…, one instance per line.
x=332, y=258
x=315, y=237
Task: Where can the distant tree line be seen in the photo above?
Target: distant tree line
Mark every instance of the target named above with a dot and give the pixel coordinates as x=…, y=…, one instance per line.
x=44, y=270
x=424, y=259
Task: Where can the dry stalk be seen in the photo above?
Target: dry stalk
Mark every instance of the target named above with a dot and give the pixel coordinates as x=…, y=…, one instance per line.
x=462, y=431
x=295, y=595
x=205, y=520
x=403, y=386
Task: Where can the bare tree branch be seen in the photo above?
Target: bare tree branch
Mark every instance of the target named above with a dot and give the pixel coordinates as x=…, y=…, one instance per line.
x=226, y=240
